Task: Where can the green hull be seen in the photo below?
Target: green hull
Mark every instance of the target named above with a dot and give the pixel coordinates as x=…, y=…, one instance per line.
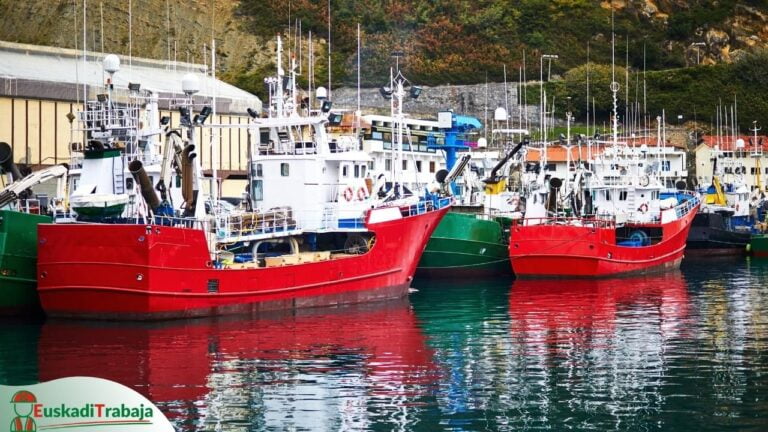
x=465, y=246
x=758, y=245
x=18, y=261
x=106, y=211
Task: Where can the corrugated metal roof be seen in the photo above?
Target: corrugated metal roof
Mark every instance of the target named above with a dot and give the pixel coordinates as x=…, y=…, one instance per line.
x=59, y=65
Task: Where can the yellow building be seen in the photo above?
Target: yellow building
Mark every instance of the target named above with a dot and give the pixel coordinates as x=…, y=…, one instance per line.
x=42, y=88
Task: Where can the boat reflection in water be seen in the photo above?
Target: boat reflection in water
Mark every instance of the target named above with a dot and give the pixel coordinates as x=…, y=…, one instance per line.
x=602, y=347
x=563, y=314
x=346, y=368
x=577, y=353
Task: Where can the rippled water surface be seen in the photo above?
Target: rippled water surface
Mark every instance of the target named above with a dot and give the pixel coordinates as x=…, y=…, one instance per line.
x=682, y=351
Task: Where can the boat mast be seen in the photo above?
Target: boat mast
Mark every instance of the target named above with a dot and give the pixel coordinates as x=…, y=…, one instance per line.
x=214, y=132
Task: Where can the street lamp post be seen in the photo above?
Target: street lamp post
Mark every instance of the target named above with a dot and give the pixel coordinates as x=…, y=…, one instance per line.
x=542, y=107
x=697, y=45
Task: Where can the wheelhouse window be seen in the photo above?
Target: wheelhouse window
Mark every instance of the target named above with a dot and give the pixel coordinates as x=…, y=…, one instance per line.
x=259, y=170
x=257, y=190
x=432, y=166
x=345, y=171
x=418, y=166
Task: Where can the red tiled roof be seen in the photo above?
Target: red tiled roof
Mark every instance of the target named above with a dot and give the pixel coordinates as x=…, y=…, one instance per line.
x=728, y=143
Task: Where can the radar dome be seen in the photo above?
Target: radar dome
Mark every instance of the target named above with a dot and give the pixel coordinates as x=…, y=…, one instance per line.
x=111, y=63
x=500, y=114
x=190, y=84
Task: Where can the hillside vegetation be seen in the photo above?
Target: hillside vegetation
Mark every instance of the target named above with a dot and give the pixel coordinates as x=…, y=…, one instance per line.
x=442, y=41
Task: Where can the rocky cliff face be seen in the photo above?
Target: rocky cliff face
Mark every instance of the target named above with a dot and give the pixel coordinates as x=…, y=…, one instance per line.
x=722, y=35
x=185, y=37
x=706, y=31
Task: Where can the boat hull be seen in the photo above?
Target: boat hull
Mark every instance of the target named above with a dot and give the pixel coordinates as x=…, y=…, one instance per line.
x=758, y=245
x=18, y=261
x=709, y=236
x=156, y=272
x=465, y=246
x=553, y=250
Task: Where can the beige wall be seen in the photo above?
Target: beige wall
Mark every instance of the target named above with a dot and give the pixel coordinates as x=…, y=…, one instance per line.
x=38, y=130
x=39, y=133
x=704, y=166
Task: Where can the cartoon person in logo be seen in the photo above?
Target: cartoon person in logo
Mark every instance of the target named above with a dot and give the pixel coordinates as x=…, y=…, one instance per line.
x=22, y=405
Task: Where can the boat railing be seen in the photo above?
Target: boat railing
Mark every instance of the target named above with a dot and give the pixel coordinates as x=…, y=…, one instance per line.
x=234, y=227
x=687, y=205
x=591, y=222
x=116, y=120
x=425, y=205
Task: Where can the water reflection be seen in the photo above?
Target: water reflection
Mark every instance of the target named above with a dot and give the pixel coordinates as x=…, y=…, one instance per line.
x=529, y=354
x=681, y=351
x=344, y=369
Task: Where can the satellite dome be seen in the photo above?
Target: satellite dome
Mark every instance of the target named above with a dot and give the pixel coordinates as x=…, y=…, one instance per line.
x=500, y=114
x=321, y=93
x=111, y=63
x=190, y=84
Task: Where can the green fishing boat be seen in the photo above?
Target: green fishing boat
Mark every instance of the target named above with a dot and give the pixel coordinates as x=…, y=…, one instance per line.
x=467, y=245
x=470, y=241
x=758, y=245
x=18, y=262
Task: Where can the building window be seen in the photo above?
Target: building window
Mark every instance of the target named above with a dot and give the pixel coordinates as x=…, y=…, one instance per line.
x=284, y=169
x=432, y=166
x=418, y=166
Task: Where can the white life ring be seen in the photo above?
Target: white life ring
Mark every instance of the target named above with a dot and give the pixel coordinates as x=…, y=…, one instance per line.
x=362, y=194
x=514, y=202
x=348, y=194
x=643, y=208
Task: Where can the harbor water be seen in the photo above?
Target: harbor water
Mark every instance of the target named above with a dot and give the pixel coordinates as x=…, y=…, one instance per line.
x=687, y=350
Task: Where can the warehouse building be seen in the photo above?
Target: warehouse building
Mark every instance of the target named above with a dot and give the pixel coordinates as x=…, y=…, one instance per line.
x=41, y=88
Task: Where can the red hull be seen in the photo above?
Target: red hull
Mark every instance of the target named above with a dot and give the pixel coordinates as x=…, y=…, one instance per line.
x=142, y=272
x=553, y=250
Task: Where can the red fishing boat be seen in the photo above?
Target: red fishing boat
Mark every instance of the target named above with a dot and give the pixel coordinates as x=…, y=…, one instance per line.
x=313, y=229
x=156, y=271
x=604, y=246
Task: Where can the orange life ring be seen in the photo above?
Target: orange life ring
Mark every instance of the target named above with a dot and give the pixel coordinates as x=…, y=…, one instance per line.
x=349, y=194
x=643, y=208
x=362, y=194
